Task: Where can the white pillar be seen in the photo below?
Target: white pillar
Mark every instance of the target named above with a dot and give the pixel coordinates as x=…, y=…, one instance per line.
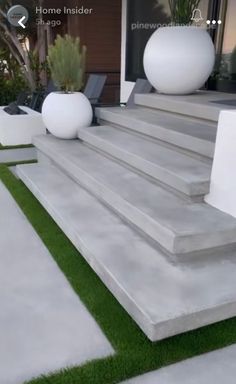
x=126, y=86
x=223, y=179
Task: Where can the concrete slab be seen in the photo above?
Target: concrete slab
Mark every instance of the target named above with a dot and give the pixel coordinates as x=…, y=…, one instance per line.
x=179, y=226
x=198, y=105
x=215, y=367
x=163, y=298
x=181, y=172
x=17, y=155
x=186, y=133
x=43, y=324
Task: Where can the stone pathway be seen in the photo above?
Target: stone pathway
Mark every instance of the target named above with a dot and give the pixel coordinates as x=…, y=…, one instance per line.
x=218, y=367
x=43, y=324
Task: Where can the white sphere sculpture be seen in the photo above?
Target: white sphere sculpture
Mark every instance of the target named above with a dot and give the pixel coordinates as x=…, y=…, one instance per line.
x=179, y=60
x=64, y=113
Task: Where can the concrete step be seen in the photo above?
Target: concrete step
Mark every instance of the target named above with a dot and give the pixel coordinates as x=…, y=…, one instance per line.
x=178, y=226
x=201, y=104
x=164, y=299
x=179, y=171
x=183, y=132
x=17, y=155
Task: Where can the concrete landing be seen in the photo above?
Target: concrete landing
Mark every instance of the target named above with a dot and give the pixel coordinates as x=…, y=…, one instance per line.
x=186, y=133
x=179, y=171
x=44, y=326
x=201, y=104
x=176, y=224
x=164, y=299
x=216, y=367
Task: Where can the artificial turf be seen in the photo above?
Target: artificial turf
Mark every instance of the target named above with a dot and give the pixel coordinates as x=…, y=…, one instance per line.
x=135, y=354
x=13, y=163
x=3, y=147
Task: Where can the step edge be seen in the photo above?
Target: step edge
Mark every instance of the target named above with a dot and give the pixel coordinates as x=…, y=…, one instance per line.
x=176, y=244
x=68, y=167
x=113, y=117
x=204, y=155
x=152, y=330
x=199, y=108
x=88, y=256
x=182, y=185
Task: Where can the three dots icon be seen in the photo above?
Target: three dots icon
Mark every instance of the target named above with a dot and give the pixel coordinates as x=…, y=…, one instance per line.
x=214, y=22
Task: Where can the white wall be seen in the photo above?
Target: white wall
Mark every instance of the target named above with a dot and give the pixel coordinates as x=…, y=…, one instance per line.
x=126, y=86
x=223, y=182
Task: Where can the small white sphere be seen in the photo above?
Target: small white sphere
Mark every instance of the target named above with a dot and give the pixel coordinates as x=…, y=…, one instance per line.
x=64, y=113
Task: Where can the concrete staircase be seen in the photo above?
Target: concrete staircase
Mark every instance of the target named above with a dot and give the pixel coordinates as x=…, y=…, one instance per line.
x=129, y=195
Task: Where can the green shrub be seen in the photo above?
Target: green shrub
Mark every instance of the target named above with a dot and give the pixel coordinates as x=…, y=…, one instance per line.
x=66, y=59
x=10, y=89
x=233, y=64
x=11, y=79
x=182, y=10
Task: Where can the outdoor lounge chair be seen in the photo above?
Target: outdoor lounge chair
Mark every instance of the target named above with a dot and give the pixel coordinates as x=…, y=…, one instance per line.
x=93, y=90
x=34, y=100
x=141, y=86
x=94, y=87
x=22, y=98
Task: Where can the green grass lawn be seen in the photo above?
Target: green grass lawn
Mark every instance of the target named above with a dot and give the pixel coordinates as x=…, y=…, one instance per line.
x=135, y=354
x=13, y=163
x=2, y=147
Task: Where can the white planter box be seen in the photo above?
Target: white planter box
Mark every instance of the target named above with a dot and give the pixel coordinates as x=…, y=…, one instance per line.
x=20, y=129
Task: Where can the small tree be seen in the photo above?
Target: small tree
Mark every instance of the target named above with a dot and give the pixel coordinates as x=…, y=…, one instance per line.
x=66, y=59
x=182, y=10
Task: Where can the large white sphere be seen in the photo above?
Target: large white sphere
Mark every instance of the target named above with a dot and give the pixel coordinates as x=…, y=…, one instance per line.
x=179, y=60
x=64, y=113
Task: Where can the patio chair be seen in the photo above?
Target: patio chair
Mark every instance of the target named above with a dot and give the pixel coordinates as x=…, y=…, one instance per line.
x=141, y=86
x=35, y=99
x=22, y=98
x=94, y=87
x=93, y=90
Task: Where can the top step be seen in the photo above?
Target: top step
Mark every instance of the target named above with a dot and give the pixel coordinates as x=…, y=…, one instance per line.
x=202, y=104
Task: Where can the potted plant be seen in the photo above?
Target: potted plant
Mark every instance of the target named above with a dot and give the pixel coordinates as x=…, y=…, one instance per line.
x=64, y=112
x=178, y=59
x=223, y=78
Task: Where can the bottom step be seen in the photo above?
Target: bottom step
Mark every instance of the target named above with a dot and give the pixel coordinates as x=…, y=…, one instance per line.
x=164, y=299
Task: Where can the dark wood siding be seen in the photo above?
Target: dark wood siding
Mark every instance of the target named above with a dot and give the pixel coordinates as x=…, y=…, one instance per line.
x=101, y=33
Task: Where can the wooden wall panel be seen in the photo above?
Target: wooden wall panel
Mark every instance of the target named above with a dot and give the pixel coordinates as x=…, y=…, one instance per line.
x=101, y=33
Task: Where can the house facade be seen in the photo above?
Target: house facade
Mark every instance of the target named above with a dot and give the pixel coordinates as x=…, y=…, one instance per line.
x=116, y=32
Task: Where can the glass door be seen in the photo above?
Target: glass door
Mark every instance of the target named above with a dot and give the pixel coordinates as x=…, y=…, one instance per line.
x=224, y=76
